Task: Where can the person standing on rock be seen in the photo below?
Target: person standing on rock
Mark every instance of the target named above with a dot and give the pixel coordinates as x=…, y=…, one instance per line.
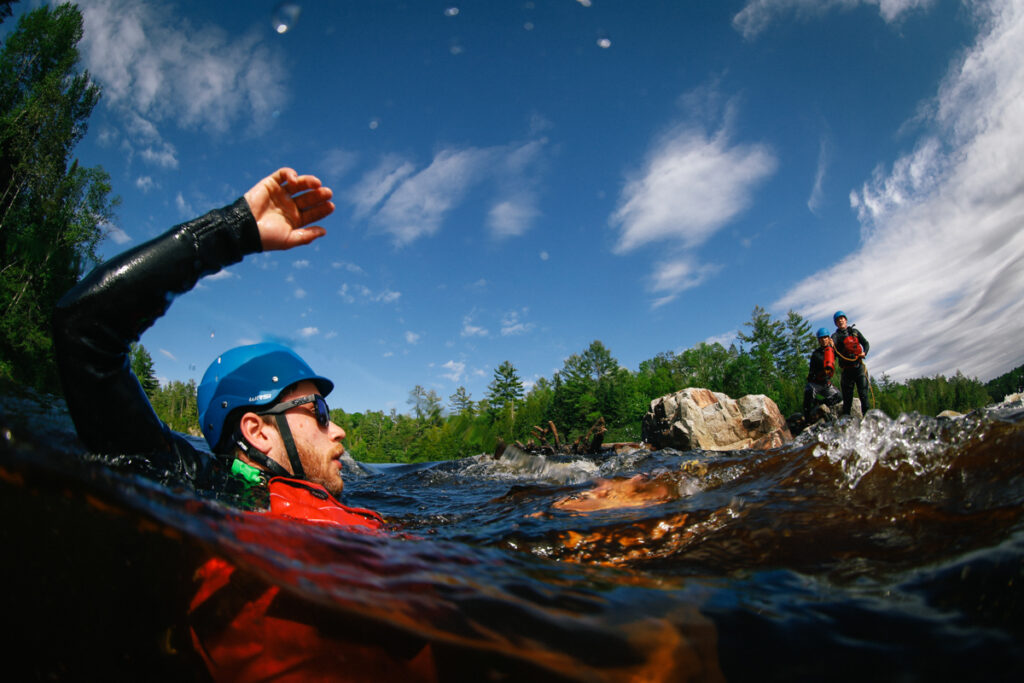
x=851, y=346
x=819, y=386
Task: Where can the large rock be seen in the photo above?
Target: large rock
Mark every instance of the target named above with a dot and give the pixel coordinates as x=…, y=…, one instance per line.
x=699, y=418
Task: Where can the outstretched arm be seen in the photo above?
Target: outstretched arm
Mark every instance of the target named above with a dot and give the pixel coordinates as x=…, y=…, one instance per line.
x=285, y=205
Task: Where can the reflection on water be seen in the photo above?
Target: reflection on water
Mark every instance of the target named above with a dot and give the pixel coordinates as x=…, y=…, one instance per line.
x=888, y=550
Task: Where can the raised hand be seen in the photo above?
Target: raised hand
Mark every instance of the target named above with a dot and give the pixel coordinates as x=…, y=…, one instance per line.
x=285, y=205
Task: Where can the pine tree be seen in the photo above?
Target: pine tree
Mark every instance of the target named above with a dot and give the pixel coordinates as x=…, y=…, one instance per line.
x=142, y=366
x=506, y=389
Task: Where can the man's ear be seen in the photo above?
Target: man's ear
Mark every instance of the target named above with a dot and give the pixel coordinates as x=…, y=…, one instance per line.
x=256, y=432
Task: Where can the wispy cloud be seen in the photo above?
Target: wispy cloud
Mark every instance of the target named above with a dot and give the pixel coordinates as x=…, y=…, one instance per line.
x=353, y=293
x=512, y=325
x=817, y=190
x=471, y=330
x=692, y=184
x=456, y=370
x=407, y=203
x=411, y=338
x=673, y=277
x=757, y=15
x=157, y=68
x=940, y=271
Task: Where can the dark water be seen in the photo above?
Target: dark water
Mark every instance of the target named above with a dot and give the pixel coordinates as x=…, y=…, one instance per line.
x=885, y=550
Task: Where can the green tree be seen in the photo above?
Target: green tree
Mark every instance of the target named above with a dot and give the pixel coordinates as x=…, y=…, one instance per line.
x=505, y=390
x=461, y=402
x=176, y=405
x=51, y=209
x=142, y=366
x=426, y=405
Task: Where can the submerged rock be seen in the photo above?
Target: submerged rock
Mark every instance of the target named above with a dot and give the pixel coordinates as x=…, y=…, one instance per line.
x=700, y=418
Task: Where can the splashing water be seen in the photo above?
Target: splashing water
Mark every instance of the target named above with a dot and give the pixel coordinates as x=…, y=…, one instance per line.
x=285, y=16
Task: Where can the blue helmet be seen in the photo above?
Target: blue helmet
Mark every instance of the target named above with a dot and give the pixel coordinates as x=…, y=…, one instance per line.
x=838, y=315
x=248, y=376
x=822, y=332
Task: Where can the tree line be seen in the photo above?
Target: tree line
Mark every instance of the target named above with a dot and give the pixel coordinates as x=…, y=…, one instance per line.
x=770, y=357
x=53, y=212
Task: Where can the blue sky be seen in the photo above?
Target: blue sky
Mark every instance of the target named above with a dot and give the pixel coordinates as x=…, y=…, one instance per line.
x=517, y=179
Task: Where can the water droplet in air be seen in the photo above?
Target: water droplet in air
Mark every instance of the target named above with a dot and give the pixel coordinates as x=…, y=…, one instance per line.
x=604, y=42
x=374, y=123
x=528, y=26
x=451, y=11
x=285, y=16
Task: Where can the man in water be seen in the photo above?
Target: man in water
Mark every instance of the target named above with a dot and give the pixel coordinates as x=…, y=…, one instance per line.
x=851, y=347
x=819, y=376
x=261, y=404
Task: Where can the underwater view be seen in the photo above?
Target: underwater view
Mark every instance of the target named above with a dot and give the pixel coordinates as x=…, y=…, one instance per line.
x=887, y=550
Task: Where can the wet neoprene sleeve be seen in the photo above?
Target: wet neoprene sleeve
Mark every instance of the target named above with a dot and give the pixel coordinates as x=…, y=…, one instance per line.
x=95, y=322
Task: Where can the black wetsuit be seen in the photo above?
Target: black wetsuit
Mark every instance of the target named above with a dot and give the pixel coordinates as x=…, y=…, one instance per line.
x=95, y=322
x=854, y=372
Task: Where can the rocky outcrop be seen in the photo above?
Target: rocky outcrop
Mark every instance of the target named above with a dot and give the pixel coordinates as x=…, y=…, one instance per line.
x=699, y=418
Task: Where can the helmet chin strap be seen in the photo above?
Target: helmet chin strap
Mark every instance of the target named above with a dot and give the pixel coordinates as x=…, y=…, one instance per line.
x=289, y=445
x=268, y=463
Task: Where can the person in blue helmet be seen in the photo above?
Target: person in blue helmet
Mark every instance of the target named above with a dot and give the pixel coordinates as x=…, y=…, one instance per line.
x=822, y=365
x=261, y=407
x=851, y=348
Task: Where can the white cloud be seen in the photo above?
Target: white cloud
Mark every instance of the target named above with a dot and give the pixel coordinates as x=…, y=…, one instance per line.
x=512, y=217
x=756, y=15
x=300, y=293
x=672, y=278
x=937, y=282
x=455, y=370
x=352, y=293
x=115, y=233
x=411, y=337
x=817, y=197
x=350, y=267
x=144, y=183
x=418, y=205
x=158, y=68
x=338, y=162
x=471, y=330
x=511, y=325
x=300, y=263
x=408, y=204
x=691, y=186
x=183, y=206
x=307, y=332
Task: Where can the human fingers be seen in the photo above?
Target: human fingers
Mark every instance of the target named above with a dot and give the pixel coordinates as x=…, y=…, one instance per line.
x=302, y=183
x=313, y=197
x=316, y=213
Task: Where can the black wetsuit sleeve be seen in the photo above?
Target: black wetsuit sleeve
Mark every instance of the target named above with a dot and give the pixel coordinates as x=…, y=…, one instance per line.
x=863, y=342
x=95, y=323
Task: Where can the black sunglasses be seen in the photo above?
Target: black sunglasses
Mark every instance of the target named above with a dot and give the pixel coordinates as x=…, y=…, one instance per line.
x=320, y=409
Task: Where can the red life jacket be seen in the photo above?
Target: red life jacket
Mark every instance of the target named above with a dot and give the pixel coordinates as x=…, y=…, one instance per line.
x=245, y=629
x=852, y=349
x=299, y=499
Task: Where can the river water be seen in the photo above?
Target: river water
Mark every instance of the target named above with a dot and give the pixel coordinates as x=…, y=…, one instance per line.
x=884, y=550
